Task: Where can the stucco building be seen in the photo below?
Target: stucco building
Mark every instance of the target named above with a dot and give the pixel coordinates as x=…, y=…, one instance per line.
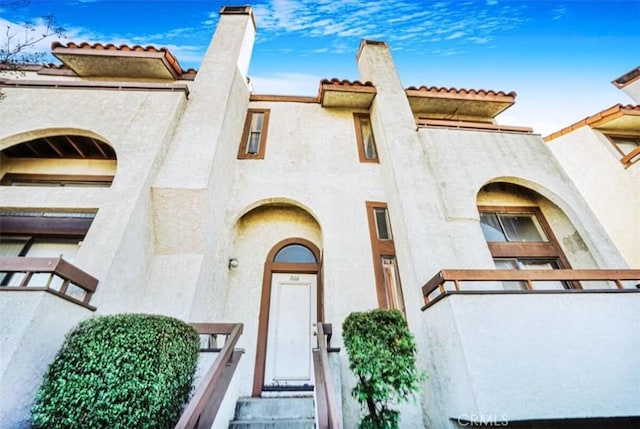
x=187, y=194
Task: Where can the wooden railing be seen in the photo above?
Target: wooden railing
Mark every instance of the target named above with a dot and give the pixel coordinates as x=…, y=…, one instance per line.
x=203, y=407
x=472, y=125
x=437, y=288
x=54, y=275
x=325, y=396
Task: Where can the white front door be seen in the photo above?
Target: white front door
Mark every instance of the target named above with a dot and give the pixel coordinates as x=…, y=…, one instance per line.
x=292, y=327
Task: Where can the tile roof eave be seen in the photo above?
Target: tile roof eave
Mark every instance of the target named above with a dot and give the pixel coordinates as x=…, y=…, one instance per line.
x=597, y=119
x=103, y=49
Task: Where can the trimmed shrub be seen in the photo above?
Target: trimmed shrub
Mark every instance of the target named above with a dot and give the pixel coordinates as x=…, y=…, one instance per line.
x=119, y=371
x=382, y=355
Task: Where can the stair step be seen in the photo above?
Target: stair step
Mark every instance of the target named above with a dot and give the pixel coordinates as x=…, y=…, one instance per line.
x=274, y=408
x=273, y=424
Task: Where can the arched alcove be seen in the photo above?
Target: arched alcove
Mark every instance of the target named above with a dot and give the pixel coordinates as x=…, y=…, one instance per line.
x=57, y=158
x=278, y=246
x=526, y=230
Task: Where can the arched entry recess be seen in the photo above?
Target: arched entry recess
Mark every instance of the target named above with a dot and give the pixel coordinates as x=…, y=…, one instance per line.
x=290, y=307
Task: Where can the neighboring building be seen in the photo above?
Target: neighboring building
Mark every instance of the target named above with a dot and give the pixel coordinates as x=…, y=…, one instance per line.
x=608, y=142
x=186, y=194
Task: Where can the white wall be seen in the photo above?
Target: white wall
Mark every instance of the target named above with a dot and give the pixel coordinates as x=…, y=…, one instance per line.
x=612, y=192
x=535, y=356
x=33, y=326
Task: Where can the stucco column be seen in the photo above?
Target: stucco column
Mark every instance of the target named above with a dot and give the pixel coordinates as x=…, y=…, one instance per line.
x=220, y=90
x=412, y=194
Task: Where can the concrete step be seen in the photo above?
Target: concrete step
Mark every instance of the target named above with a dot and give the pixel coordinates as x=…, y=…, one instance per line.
x=276, y=413
x=273, y=424
x=275, y=408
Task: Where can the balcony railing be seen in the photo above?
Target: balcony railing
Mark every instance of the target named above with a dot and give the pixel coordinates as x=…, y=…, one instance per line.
x=448, y=282
x=326, y=401
x=53, y=275
x=203, y=407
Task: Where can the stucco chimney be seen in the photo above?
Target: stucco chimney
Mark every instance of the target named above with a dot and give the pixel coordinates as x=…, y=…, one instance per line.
x=231, y=46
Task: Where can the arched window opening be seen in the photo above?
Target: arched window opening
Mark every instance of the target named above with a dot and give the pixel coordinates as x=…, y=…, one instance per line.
x=518, y=235
x=295, y=253
x=86, y=162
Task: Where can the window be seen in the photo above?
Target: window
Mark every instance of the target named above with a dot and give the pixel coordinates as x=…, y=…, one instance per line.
x=383, y=228
x=364, y=136
x=510, y=227
x=388, y=286
x=628, y=147
x=519, y=238
x=254, y=137
x=41, y=235
x=87, y=162
x=296, y=253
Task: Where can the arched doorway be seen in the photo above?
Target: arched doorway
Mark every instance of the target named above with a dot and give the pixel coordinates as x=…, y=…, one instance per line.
x=290, y=307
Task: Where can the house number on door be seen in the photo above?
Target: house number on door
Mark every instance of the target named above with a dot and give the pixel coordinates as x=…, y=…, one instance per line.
x=294, y=278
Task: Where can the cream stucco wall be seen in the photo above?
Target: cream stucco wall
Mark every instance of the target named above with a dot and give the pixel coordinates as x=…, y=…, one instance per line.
x=182, y=204
x=633, y=90
x=137, y=125
x=32, y=329
x=612, y=192
x=526, y=357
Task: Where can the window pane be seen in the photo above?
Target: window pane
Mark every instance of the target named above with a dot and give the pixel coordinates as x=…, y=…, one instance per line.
x=254, y=143
x=491, y=227
x=256, y=121
x=626, y=144
x=51, y=249
x=521, y=227
x=255, y=132
x=383, y=229
x=367, y=138
x=295, y=253
x=509, y=264
x=392, y=283
x=531, y=264
x=10, y=246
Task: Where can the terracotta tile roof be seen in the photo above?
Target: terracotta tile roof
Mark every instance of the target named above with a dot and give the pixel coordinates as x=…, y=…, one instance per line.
x=344, y=82
x=598, y=119
x=56, y=70
x=345, y=93
x=627, y=78
x=168, y=56
x=462, y=92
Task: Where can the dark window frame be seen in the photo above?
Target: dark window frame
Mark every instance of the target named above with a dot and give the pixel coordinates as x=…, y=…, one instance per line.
x=55, y=180
x=381, y=249
x=246, y=134
x=357, y=120
x=549, y=250
x=627, y=159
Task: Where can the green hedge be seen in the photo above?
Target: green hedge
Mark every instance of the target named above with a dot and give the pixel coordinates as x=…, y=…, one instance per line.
x=382, y=355
x=120, y=371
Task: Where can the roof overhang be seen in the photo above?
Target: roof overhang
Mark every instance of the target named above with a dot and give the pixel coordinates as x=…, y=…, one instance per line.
x=619, y=119
x=353, y=95
x=443, y=103
x=118, y=62
x=627, y=78
x=623, y=120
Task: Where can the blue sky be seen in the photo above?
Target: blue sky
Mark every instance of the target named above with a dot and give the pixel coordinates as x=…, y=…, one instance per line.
x=559, y=56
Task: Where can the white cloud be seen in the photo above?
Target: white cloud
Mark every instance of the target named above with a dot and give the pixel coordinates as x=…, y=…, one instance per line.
x=456, y=35
x=286, y=84
x=15, y=34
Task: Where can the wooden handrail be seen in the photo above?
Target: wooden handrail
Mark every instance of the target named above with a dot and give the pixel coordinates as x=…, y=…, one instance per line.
x=203, y=407
x=472, y=125
x=437, y=282
x=327, y=404
x=58, y=267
